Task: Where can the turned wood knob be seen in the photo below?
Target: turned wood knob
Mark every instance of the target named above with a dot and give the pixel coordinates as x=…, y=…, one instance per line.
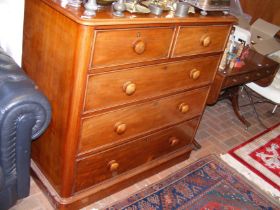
x=173, y=141
x=129, y=88
x=205, y=41
x=139, y=47
x=120, y=127
x=113, y=165
x=194, y=74
x=184, y=108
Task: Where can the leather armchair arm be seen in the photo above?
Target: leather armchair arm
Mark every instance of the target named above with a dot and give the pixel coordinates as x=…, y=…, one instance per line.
x=24, y=115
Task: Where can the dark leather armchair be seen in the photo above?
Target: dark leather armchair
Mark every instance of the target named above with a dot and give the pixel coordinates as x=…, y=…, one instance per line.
x=24, y=115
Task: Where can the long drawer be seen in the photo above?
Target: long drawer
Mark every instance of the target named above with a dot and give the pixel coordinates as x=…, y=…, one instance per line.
x=123, y=46
x=193, y=40
x=115, y=161
x=121, y=87
x=131, y=121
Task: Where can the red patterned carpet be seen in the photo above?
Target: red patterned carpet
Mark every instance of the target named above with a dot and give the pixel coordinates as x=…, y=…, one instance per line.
x=207, y=184
x=258, y=159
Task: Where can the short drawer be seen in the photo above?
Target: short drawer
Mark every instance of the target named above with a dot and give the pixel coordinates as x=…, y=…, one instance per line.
x=124, y=46
x=117, y=125
x=121, y=87
x=115, y=161
x=193, y=40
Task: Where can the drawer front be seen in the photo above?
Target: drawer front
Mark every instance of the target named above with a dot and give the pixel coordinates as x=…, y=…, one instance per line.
x=117, y=88
x=111, y=127
x=248, y=77
x=120, y=159
x=130, y=46
x=193, y=40
x=238, y=80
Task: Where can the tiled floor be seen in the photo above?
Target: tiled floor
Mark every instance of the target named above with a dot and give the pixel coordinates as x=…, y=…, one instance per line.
x=218, y=132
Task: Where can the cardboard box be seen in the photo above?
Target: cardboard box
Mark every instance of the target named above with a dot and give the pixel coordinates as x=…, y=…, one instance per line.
x=262, y=35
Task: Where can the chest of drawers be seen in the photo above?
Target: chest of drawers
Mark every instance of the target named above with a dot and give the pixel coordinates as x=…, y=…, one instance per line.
x=127, y=94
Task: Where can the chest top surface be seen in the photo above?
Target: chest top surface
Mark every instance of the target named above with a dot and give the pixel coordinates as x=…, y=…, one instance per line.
x=104, y=16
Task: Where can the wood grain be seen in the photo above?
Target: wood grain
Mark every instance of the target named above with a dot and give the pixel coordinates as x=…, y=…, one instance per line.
x=125, y=46
x=267, y=10
x=140, y=118
x=215, y=90
x=53, y=52
x=99, y=191
x=105, y=18
x=254, y=75
x=196, y=39
x=257, y=68
x=132, y=154
x=150, y=81
x=115, y=90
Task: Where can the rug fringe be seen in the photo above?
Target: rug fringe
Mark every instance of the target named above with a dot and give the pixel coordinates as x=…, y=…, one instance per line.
x=251, y=176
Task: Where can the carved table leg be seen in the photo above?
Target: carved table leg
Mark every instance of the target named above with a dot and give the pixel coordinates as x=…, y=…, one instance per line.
x=197, y=146
x=233, y=96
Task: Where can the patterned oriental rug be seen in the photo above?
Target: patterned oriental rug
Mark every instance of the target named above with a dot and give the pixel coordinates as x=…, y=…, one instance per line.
x=207, y=184
x=258, y=160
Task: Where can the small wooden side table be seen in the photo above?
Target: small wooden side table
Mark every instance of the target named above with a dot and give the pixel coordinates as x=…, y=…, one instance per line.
x=257, y=68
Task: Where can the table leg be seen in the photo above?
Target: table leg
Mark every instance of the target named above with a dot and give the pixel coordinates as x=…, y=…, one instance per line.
x=197, y=146
x=233, y=96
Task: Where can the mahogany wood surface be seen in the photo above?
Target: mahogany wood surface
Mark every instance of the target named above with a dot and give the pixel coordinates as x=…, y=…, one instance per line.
x=255, y=75
x=254, y=61
x=125, y=45
x=105, y=18
x=140, y=118
x=114, y=88
x=110, y=186
x=197, y=39
x=48, y=58
x=149, y=81
x=132, y=154
x=267, y=10
x=257, y=68
x=215, y=90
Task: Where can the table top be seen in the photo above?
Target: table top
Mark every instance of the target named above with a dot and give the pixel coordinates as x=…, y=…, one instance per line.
x=252, y=62
x=257, y=68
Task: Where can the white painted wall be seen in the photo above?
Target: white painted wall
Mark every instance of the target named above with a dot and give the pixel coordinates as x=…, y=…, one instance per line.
x=11, y=27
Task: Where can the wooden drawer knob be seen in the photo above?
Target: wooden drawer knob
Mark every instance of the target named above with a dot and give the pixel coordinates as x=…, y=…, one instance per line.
x=194, y=74
x=205, y=41
x=113, y=165
x=173, y=141
x=139, y=47
x=184, y=108
x=120, y=128
x=129, y=88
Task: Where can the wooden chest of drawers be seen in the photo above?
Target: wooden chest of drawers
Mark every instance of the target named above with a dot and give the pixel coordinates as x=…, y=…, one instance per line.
x=127, y=94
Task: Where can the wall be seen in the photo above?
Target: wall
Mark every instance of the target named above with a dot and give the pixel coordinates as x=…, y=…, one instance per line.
x=11, y=22
x=268, y=10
